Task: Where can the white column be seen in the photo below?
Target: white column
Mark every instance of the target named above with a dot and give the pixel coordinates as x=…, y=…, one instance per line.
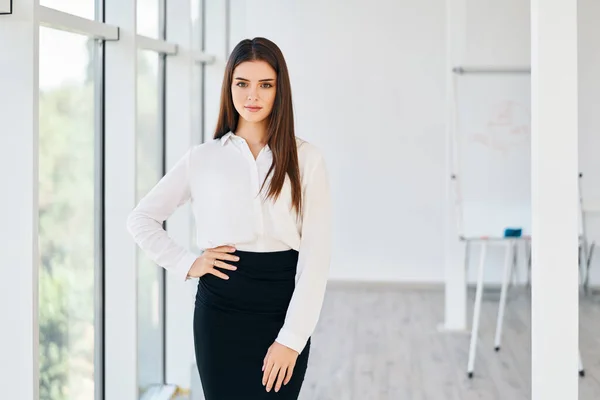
x=179, y=294
x=454, y=272
x=554, y=200
x=120, y=250
x=19, y=234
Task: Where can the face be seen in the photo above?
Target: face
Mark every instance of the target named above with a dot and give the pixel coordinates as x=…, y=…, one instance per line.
x=253, y=90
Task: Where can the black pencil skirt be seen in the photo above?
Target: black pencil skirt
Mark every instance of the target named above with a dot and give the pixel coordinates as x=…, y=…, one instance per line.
x=236, y=321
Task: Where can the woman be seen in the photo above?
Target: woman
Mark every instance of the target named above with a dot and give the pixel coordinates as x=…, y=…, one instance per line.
x=260, y=198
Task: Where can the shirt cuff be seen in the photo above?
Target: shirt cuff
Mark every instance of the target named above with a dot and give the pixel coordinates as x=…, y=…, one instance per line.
x=183, y=266
x=291, y=340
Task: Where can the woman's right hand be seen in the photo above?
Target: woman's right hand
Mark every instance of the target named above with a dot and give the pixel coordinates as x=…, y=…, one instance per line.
x=211, y=259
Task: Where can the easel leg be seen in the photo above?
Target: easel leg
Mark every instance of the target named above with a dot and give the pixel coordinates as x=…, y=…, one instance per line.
x=515, y=262
x=588, y=262
x=467, y=252
x=476, y=312
x=508, y=267
x=528, y=247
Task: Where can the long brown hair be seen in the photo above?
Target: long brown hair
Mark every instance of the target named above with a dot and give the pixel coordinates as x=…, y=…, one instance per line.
x=280, y=132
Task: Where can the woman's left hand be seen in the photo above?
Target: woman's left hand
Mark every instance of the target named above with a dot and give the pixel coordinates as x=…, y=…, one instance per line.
x=278, y=365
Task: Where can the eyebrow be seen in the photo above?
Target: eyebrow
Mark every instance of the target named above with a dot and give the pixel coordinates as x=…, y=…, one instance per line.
x=261, y=80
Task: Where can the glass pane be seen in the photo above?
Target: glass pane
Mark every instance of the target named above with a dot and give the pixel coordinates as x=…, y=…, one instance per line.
x=149, y=170
x=82, y=8
x=148, y=18
x=67, y=173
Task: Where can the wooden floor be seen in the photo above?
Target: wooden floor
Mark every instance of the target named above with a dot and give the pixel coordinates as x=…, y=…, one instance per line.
x=382, y=343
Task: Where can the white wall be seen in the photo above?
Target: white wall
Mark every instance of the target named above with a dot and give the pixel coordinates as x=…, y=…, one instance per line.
x=489, y=42
x=368, y=85
x=494, y=176
x=369, y=89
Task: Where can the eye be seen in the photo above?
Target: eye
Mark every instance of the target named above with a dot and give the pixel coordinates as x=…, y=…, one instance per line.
x=266, y=85
x=241, y=84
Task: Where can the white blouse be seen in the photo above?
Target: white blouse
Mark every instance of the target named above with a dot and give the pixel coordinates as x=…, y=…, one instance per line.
x=221, y=179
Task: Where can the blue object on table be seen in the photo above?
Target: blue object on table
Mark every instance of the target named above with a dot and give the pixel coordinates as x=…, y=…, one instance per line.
x=513, y=232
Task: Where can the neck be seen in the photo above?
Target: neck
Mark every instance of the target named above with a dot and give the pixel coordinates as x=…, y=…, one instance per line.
x=254, y=133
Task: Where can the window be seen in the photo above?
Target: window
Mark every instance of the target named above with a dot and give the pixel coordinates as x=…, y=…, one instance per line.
x=150, y=168
x=149, y=15
x=68, y=221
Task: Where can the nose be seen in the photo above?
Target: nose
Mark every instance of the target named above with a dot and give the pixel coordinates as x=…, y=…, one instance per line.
x=252, y=94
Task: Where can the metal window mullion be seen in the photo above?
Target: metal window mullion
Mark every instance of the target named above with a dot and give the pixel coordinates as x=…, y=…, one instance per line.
x=163, y=128
x=99, y=293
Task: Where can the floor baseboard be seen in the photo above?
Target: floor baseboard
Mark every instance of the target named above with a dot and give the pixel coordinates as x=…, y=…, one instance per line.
x=414, y=285
x=407, y=285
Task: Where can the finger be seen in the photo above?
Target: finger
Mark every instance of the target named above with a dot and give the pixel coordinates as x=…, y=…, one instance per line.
x=221, y=264
x=265, y=359
x=218, y=273
x=272, y=376
x=280, y=378
x=224, y=249
x=267, y=372
x=288, y=376
x=227, y=257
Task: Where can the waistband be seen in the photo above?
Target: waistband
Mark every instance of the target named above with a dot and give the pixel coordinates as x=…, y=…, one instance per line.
x=262, y=284
x=267, y=259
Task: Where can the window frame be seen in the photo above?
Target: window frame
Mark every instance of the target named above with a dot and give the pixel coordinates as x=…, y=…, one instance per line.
x=116, y=48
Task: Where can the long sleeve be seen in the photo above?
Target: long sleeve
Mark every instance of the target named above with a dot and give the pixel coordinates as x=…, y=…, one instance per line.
x=313, y=262
x=145, y=221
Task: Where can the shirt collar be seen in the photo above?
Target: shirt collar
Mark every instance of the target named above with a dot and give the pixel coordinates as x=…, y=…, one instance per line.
x=225, y=138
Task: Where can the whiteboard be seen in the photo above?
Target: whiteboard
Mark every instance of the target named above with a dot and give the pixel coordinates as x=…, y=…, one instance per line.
x=493, y=153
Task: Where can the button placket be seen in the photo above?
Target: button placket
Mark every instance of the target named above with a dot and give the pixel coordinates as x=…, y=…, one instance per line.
x=260, y=227
x=254, y=175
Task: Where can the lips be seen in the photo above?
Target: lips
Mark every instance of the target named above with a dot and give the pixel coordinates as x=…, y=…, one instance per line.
x=253, y=108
